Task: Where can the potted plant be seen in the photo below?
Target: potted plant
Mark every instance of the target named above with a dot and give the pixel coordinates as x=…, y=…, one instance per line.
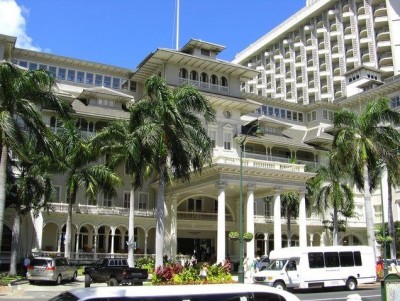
x=233, y=235
x=248, y=236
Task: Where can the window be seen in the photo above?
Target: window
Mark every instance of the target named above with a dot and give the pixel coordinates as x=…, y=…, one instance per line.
x=53, y=123
x=214, y=79
x=127, y=196
x=193, y=75
x=227, y=140
x=107, y=202
x=98, y=80
x=33, y=66
x=316, y=260
x=42, y=67
x=224, y=81
x=116, y=83
x=132, y=86
x=71, y=75
x=107, y=81
x=205, y=52
x=183, y=73
x=23, y=64
x=357, y=258
x=53, y=70
x=80, y=76
x=57, y=194
x=212, y=133
x=195, y=204
x=89, y=78
x=331, y=259
x=61, y=73
x=346, y=259
x=143, y=200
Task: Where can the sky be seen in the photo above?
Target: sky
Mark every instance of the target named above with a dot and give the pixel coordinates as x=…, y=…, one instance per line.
x=123, y=32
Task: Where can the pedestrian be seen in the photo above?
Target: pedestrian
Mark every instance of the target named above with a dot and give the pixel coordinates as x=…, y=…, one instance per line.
x=27, y=262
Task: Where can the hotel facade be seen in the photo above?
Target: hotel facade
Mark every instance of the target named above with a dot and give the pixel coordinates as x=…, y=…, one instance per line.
x=331, y=54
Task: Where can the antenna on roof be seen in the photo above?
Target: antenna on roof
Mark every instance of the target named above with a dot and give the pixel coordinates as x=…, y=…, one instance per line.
x=177, y=25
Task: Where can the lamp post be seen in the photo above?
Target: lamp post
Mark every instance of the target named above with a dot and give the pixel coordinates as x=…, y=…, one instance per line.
x=385, y=267
x=241, y=230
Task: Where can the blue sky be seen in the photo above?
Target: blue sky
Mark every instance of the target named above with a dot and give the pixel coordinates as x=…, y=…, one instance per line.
x=123, y=32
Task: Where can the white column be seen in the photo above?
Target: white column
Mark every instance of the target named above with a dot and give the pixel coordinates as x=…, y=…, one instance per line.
x=250, y=250
x=174, y=226
x=77, y=244
x=112, y=239
x=277, y=219
x=145, y=243
x=302, y=220
x=59, y=240
x=221, y=223
x=95, y=243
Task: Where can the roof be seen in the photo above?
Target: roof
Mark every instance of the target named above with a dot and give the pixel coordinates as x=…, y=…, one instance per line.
x=98, y=112
x=109, y=93
x=151, y=64
x=194, y=43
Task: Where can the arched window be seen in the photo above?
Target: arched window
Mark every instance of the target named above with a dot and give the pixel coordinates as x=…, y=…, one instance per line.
x=194, y=75
x=214, y=79
x=53, y=123
x=224, y=81
x=183, y=73
x=204, y=77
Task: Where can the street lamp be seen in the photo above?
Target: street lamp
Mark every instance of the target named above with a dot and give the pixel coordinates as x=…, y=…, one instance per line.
x=241, y=230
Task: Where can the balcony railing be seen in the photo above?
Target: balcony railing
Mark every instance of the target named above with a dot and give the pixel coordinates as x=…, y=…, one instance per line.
x=204, y=85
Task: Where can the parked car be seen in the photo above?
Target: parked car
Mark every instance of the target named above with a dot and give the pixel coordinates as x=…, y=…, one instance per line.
x=114, y=271
x=214, y=292
x=51, y=269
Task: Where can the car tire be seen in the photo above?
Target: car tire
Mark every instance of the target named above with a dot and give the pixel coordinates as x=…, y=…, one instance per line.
x=351, y=284
x=32, y=282
x=58, y=280
x=280, y=285
x=73, y=278
x=88, y=280
x=112, y=282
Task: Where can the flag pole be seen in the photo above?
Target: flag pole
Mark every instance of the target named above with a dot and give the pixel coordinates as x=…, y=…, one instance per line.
x=177, y=25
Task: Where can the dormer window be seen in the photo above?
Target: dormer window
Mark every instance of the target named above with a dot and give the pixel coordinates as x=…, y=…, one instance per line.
x=205, y=52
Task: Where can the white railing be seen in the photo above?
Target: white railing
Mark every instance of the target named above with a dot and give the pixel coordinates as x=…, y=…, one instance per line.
x=204, y=85
x=203, y=216
x=264, y=164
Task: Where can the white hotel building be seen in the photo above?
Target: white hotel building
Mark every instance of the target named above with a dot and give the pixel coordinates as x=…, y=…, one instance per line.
x=328, y=55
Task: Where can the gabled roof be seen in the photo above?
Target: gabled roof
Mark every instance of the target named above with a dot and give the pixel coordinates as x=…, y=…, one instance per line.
x=195, y=43
x=99, y=112
x=152, y=63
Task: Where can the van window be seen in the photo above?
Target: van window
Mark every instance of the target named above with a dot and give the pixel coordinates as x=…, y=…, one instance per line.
x=331, y=259
x=316, y=260
x=208, y=297
x=357, y=258
x=346, y=259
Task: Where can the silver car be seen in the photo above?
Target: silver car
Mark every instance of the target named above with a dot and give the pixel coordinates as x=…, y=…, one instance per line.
x=51, y=269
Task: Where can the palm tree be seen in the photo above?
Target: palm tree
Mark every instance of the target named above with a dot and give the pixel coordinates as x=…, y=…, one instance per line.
x=174, y=130
x=362, y=140
x=121, y=144
x=20, y=90
x=290, y=209
x=29, y=189
x=79, y=166
x=334, y=193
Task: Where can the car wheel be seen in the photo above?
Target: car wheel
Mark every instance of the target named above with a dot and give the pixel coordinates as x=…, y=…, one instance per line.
x=58, y=280
x=112, y=282
x=31, y=282
x=88, y=280
x=280, y=285
x=73, y=278
x=351, y=284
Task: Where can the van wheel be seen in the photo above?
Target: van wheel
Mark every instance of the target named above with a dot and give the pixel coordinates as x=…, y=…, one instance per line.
x=112, y=282
x=351, y=284
x=280, y=285
x=73, y=278
x=88, y=280
x=58, y=280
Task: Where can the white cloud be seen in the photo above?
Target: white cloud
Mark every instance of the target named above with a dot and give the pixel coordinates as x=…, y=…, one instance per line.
x=12, y=22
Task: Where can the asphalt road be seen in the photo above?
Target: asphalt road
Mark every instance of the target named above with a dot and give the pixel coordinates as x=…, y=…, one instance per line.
x=42, y=292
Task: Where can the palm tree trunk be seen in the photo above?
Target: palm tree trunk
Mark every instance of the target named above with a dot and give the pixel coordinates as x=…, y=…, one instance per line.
x=68, y=230
x=15, y=244
x=369, y=219
x=131, y=229
x=335, y=226
x=3, y=182
x=160, y=218
x=392, y=233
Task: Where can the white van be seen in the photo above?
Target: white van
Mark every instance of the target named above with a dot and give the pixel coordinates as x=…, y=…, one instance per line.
x=209, y=292
x=311, y=267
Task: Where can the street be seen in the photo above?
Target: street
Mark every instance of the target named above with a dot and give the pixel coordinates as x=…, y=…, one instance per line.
x=43, y=292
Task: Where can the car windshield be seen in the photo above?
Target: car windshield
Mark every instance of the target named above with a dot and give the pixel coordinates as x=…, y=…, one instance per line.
x=277, y=265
